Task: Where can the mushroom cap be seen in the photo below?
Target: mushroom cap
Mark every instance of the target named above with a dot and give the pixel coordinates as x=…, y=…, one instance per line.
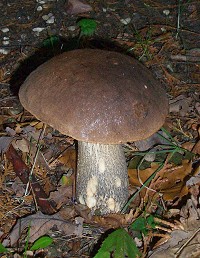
x=96, y=96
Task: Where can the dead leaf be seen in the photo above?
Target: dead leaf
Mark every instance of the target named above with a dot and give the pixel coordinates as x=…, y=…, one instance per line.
x=10, y=131
x=68, y=158
x=31, y=133
x=40, y=225
x=18, y=187
x=196, y=148
x=188, y=145
x=143, y=174
x=62, y=196
x=169, y=181
x=151, y=141
x=5, y=143
x=21, y=144
x=173, y=184
x=181, y=104
x=107, y=221
x=78, y=6
x=113, y=220
x=67, y=212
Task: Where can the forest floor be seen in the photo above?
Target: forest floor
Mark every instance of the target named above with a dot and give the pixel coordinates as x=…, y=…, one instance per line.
x=162, y=218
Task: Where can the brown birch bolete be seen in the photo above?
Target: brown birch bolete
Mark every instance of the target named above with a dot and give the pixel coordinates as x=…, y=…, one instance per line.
x=102, y=99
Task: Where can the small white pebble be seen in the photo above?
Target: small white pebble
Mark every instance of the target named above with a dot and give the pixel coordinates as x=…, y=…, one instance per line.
x=40, y=1
x=72, y=28
x=138, y=242
x=29, y=253
x=125, y=21
x=4, y=51
x=51, y=20
x=5, y=42
x=45, y=17
x=38, y=29
x=4, y=30
x=39, y=8
x=150, y=157
x=166, y=12
x=163, y=29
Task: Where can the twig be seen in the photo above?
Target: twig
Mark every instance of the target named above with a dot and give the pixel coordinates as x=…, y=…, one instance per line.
x=178, y=19
x=35, y=158
x=187, y=242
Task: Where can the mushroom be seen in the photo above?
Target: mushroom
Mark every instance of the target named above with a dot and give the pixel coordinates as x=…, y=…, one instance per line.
x=102, y=99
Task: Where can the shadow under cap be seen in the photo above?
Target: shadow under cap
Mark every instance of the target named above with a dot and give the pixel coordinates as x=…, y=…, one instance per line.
x=96, y=96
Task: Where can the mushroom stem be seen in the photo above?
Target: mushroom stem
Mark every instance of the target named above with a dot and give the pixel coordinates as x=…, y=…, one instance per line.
x=102, y=179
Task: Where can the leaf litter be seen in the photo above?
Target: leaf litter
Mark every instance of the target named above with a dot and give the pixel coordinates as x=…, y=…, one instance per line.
x=56, y=163
x=40, y=224
x=173, y=191
x=171, y=182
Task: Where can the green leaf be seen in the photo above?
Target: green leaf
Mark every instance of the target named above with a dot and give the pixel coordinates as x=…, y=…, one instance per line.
x=51, y=41
x=120, y=244
x=87, y=26
x=3, y=249
x=151, y=222
x=41, y=242
x=140, y=225
x=143, y=225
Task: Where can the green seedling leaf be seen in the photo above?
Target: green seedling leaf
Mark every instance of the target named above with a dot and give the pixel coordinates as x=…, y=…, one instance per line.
x=51, y=41
x=143, y=225
x=41, y=242
x=3, y=249
x=87, y=26
x=120, y=244
x=140, y=226
x=151, y=222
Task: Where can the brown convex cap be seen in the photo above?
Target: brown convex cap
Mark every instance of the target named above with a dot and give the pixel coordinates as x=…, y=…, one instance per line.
x=96, y=96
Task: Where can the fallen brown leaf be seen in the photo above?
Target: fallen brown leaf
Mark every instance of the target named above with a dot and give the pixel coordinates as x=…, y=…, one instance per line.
x=134, y=175
x=40, y=225
x=113, y=220
x=180, y=104
x=62, y=196
x=68, y=158
x=170, y=181
x=174, y=184
x=77, y=6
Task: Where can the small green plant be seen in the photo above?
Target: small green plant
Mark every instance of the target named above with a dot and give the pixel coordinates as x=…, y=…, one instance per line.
x=120, y=244
x=143, y=43
x=51, y=41
x=143, y=224
x=41, y=242
x=3, y=249
x=87, y=27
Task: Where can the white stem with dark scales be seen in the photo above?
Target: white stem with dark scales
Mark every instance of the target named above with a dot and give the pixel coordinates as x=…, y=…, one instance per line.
x=102, y=178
